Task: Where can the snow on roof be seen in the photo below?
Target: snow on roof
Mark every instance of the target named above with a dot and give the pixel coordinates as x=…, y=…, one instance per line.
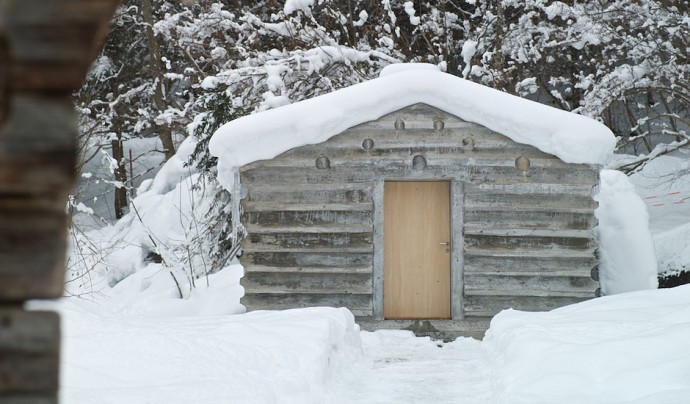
x=572, y=138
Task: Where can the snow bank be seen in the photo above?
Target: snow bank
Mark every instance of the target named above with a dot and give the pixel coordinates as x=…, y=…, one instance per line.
x=259, y=357
x=627, y=258
x=629, y=348
x=573, y=138
x=150, y=290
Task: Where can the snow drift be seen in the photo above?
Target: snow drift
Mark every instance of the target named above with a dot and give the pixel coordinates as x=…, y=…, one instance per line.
x=627, y=259
x=258, y=357
x=628, y=348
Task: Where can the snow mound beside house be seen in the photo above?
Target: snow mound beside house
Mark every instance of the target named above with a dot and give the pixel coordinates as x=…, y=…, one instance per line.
x=627, y=261
x=628, y=348
x=264, y=135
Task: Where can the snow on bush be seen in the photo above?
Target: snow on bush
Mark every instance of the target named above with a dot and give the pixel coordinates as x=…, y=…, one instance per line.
x=629, y=348
x=293, y=5
x=163, y=240
x=627, y=258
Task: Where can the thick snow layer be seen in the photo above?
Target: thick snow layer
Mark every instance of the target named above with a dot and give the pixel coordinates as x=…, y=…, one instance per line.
x=151, y=291
x=258, y=357
x=571, y=137
x=629, y=348
x=627, y=258
x=403, y=67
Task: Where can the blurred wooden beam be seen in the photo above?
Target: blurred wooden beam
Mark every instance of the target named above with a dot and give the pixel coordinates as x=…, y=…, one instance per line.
x=46, y=47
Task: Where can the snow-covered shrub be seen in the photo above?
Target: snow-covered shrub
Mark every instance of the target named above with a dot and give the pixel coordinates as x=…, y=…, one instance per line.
x=673, y=278
x=168, y=225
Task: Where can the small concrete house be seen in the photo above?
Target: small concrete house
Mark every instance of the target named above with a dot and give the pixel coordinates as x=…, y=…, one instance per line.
x=418, y=200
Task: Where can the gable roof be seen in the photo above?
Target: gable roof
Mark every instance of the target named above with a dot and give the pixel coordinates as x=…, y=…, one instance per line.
x=572, y=138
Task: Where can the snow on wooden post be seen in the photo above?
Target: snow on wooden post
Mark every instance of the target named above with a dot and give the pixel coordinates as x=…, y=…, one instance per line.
x=46, y=47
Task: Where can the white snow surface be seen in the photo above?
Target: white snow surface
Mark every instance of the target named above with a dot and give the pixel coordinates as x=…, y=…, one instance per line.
x=628, y=348
x=664, y=185
x=403, y=67
x=259, y=357
x=293, y=5
x=627, y=259
x=469, y=49
x=409, y=9
x=623, y=349
x=264, y=135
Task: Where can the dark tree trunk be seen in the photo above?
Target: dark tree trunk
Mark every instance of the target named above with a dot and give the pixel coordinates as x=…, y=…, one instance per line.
x=499, y=61
x=164, y=131
x=121, y=177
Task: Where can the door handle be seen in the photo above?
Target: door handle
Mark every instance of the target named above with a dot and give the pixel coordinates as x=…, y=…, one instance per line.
x=447, y=244
x=444, y=243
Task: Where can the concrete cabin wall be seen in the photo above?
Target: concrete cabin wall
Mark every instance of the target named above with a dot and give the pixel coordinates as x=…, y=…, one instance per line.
x=314, y=218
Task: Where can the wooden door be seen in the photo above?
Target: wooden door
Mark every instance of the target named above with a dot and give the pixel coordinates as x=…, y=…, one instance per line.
x=416, y=257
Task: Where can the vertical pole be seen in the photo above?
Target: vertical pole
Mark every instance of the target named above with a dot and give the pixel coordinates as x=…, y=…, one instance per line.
x=235, y=198
x=42, y=62
x=131, y=170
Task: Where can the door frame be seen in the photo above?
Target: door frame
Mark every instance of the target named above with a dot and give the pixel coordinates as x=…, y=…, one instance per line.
x=457, y=201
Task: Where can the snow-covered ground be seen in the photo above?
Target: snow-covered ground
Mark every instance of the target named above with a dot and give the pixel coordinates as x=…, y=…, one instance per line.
x=628, y=348
x=300, y=356
x=129, y=338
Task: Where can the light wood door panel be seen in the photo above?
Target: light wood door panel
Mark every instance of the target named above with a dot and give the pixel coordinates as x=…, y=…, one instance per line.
x=416, y=262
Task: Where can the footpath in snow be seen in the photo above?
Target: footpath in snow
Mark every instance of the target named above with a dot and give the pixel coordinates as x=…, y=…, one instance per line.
x=401, y=368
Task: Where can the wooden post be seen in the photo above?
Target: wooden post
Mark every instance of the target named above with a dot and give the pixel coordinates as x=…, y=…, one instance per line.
x=46, y=47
